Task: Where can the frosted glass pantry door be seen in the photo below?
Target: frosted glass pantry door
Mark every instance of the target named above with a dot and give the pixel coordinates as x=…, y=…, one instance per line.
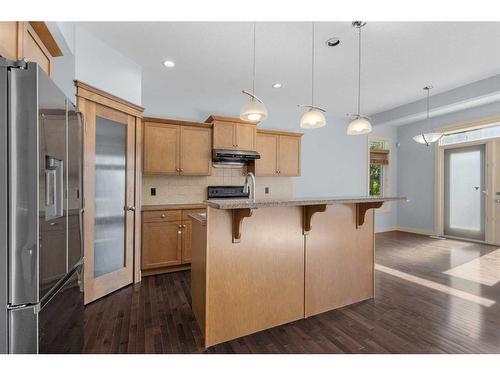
x=464, y=190
x=109, y=204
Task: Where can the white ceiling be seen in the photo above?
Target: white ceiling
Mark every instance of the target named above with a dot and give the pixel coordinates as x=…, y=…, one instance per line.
x=214, y=63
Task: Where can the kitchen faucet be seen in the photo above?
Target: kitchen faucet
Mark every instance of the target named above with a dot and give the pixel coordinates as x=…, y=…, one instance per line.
x=246, y=187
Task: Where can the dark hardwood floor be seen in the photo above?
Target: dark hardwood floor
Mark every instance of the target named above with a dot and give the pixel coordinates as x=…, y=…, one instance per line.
x=404, y=317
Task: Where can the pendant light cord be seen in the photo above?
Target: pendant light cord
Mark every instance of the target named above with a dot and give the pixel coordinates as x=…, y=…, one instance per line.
x=359, y=71
x=254, y=68
x=312, y=67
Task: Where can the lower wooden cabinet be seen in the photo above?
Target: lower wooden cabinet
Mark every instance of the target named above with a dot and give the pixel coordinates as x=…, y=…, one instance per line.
x=166, y=240
x=161, y=244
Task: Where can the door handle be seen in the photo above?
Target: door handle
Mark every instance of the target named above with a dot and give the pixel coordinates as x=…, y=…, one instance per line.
x=130, y=208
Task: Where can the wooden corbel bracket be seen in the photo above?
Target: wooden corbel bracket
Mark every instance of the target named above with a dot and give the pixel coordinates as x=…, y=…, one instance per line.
x=238, y=216
x=309, y=211
x=361, y=209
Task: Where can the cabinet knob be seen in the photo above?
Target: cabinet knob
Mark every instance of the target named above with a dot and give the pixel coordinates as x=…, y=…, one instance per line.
x=180, y=226
x=179, y=232
x=130, y=208
x=184, y=225
x=162, y=215
x=182, y=169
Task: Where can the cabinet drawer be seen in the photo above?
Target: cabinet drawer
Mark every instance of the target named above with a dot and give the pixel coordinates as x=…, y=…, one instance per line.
x=186, y=213
x=167, y=215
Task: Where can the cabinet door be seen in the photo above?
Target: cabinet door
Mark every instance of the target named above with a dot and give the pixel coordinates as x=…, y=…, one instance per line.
x=34, y=50
x=267, y=147
x=186, y=241
x=288, y=156
x=245, y=137
x=224, y=135
x=161, y=244
x=9, y=39
x=195, y=151
x=161, y=148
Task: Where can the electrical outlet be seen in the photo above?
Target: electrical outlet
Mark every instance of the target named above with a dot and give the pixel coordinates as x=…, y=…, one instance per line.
x=153, y=191
x=266, y=190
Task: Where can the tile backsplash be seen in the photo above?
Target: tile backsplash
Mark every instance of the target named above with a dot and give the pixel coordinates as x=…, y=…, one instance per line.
x=193, y=189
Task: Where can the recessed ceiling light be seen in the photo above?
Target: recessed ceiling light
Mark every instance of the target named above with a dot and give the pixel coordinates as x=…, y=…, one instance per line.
x=332, y=42
x=277, y=85
x=169, y=63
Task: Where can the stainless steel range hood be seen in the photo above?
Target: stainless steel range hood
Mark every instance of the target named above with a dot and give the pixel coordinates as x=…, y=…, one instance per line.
x=234, y=158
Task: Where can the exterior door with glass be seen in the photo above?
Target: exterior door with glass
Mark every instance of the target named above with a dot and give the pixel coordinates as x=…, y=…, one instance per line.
x=465, y=192
x=109, y=199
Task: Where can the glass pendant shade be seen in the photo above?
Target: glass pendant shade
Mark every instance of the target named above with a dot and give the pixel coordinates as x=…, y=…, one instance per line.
x=312, y=119
x=427, y=138
x=253, y=111
x=358, y=126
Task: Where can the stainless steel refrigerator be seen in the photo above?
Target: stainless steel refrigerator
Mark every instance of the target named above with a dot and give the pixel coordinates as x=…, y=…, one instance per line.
x=41, y=212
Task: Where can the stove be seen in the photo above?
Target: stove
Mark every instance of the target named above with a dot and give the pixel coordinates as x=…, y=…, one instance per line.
x=226, y=192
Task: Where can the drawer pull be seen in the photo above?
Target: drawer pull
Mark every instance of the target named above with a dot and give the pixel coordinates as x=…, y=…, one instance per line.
x=163, y=215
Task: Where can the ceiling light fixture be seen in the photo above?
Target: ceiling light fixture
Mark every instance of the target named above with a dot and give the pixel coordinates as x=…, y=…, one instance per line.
x=360, y=124
x=314, y=117
x=169, y=63
x=254, y=110
x=429, y=137
x=277, y=85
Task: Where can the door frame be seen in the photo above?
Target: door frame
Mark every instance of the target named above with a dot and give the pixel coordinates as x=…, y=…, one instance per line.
x=87, y=95
x=440, y=194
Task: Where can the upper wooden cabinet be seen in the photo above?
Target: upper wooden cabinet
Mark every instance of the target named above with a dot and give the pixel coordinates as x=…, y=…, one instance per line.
x=232, y=133
x=31, y=41
x=174, y=147
x=279, y=153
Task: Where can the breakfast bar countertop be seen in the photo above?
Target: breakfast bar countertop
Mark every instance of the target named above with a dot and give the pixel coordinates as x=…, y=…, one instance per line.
x=229, y=204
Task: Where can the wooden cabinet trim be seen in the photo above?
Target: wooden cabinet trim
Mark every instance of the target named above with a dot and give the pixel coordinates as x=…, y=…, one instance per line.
x=214, y=118
x=46, y=38
x=96, y=95
x=279, y=132
x=177, y=122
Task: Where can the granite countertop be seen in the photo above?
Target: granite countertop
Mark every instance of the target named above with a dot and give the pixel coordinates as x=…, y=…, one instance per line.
x=181, y=206
x=228, y=204
x=201, y=217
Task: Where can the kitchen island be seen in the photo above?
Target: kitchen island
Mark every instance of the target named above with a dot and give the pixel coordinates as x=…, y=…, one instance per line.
x=260, y=263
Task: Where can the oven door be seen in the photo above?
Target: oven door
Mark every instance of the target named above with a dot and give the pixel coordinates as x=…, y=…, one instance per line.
x=60, y=319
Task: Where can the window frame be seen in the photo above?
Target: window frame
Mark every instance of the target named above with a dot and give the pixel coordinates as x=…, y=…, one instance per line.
x=386, y=170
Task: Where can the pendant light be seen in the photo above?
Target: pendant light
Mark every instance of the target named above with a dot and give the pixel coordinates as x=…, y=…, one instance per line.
x=314, y=117
x=254, y=110
x=360, y=124
x=429, y=137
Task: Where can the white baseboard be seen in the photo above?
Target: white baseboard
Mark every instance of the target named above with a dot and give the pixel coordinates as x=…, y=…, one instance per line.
x=388, y=229
x=424, y=232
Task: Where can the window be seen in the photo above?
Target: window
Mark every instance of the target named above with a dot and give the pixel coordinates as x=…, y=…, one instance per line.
x=378, y=167
x=470, y=135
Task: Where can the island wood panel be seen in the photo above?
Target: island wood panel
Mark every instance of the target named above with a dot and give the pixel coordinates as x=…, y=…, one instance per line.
x=161, y=149
x=267, y=147
x=289, y=155
x=339, y=259
x=257, y=283
x=195, y=151
x=198, y=271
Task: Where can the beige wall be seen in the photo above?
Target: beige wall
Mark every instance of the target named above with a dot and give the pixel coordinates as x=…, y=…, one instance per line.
x=181, y=189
